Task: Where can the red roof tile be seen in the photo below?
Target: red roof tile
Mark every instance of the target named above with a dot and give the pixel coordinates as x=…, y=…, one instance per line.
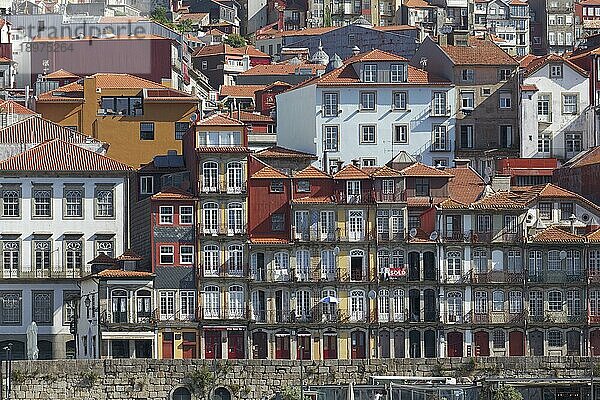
x=250, y=117
x=58, y=155
x=311, y=172
x=256, y=240
x=532, y=64
x=219, y=120
x=246, y=91
x=421, y=170
x=173, y=193
x=479, y=51
x=269, y=173
x=594, y=236
x=282, y=152
x=61, y=74
x=417, y=4
x=119, y=273
x=129, y=255
x=350, y=171
x=215, y=49
x=529, y=88
x=386, y=172
x=499, y=201
x=15, y=108
x=36, y=129
x=314, y=200
x=466, y=186
x=554, y=234
x=282, y=69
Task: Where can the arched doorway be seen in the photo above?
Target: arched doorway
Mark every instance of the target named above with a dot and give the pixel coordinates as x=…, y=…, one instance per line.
x=536, y=343
x=359, y=344
x=516, y=347
x=222, y=393
x=482, y=343
x=595, y=342
x=45, y=350
x=414, y=343
x=384, y=344
x=399, y=351
x=429, y=266
x=413, y=266
x=259, y=345
x=181, y=393
x=430, y=348
x=455, y=344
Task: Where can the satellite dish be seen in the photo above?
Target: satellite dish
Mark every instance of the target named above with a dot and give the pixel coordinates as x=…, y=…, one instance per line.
x=193, y=118
x=563, y=254
x=413, y=232
x=433, y=236
x=336, y=250
x=372, y=294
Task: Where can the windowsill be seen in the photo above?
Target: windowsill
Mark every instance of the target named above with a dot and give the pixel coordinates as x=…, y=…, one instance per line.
x=407, y=110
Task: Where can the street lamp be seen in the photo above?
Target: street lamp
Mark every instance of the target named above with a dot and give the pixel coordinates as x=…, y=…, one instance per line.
x=8, y=350
x=301, y=372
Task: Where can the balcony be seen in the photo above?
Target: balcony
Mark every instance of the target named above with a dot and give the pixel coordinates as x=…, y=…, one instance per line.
x=176, y=317
x=392, y=317
x=504, y=235
x=390, y=236
x=314, y=234
x=223, y=271
x=318, y=314
x=450, y=318
x=455, y=236
x=45, y=273
x=222, y=229
x=496, y=317
x=210, y=186
x=497, y=277
x=121, y=321
x=222, y=314
x=555, y=277
x=557, y=317
x=395, y=197
x=342, y=197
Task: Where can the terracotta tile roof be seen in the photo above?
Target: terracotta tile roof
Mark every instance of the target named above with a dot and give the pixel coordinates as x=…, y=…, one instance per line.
x=256, y=240
x=421, y=170
x=554, y=234
x=192, y=16
x=422, y=201
x=282, y=152
x=172, y=193
x=450, y=204
x=268, y=173
x=246, y=91
x=119, y=273
x=311, y=172
x=246, y=116
x=466, y=186
x=303, y=32
x=529, y=88
x=532, y=64
x=222, y=149
x=4, y=60
x=479, y=51
x=350, y=171
x=70, y=92
x=386, y=172
x=388, y=28
x=314, y=200
x=346, y=74
x=36, y=129
x=129, y=255
x=15, y=108
x=217, y=119
x=103, y=259
x=61, y=74
x=58, y=155
x=590, y=157
x=594, y=236
x=281, y=69
x=222, y=48
x=417, y=4
x=499, y=201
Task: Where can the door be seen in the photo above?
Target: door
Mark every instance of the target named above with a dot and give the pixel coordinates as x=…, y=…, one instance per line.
x=330, y=346
x=414, y=342
x=413, y=266
x=356, y=266
x=303, y=346
x=595, y=342
x=573, y=343
x=414, y=305
x=516, y=345
x=355, y=226
x=482, y=344
x=358, y=345
x=259, y=345
x=430, y=314
x=429, y=266
x=430, y=344
x=282, y=306
x=455, y=344
x=167, y=345
x=301, y=222
x=189, y=345
x=282, y=346
x=536, y=343
x=212, y=345
x=384, y=344
x=235, y=345
x=399, y=345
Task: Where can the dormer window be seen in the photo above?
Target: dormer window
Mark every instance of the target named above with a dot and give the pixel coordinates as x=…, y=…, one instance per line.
x=556, y=71
x=397, y=73
x=467, y=75
x=370, y=73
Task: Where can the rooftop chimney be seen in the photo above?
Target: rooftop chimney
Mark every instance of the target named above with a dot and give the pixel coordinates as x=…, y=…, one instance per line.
x=461, y=163
x=355, y=50
x=501, y=183
x=356, y=162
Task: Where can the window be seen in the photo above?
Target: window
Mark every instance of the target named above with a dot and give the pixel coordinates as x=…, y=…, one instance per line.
x=554, y=261
x=504, y=74
x=330, y=104
x=73, y=255
x=204, y=65
x=186, y=254
x=569, y=104
x=480, y=258
x=369, y=162
x=506, y=138
x=566, y=210
x=421, y=186
x=210, y=176
x=573, y=142
x=399, y=100
x=236, y=302
x=42, y=203
x=556, y=71
x=70, y=303
x=367, y=101
x=188, y=304
x=41, y=256
x=167, y=255
x=180, y=129
x=277, y=223
x=73, y=203
x=515, y=262
x=276, y=186
x=42, y=307
x=454, y=306
x=167, y=305
x=573, y=303
x=146, y=185
x=467, y=75
x=484, y=223
x=367, y=134
x=505, y=100
x=370, y=73
x=210, y=218
x=186, y=215
x=219, y=138
x=11, y=303
x=387, y=186
x=573, y=262
x=235, y=223
x=211, y=260
x=130, y=106
x=544, y=142
x=439, y=104
x=331, y=137
x=480, y=303
x=515, y=302
x=555, y=302
x=498, y=301
x=212, y=302
x=104, y=203
x=467, y=100
x=453, y=259
x=166, y=214
x=400, y=134
x=440, y=138
x=397, y=73
x=10, y=259
x=146, y=130
x=11, y=203
x=545, y=210
x=536, y=303
x=510, y=224
x=555, y=338
x=498, y=339
x=357, y=305
x=303, y=186
x=467, y=136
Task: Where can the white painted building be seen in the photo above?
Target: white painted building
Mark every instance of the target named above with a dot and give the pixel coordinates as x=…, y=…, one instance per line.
x=508, y=22
x=555, y=108
x=369, y=108
x=61, y=206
